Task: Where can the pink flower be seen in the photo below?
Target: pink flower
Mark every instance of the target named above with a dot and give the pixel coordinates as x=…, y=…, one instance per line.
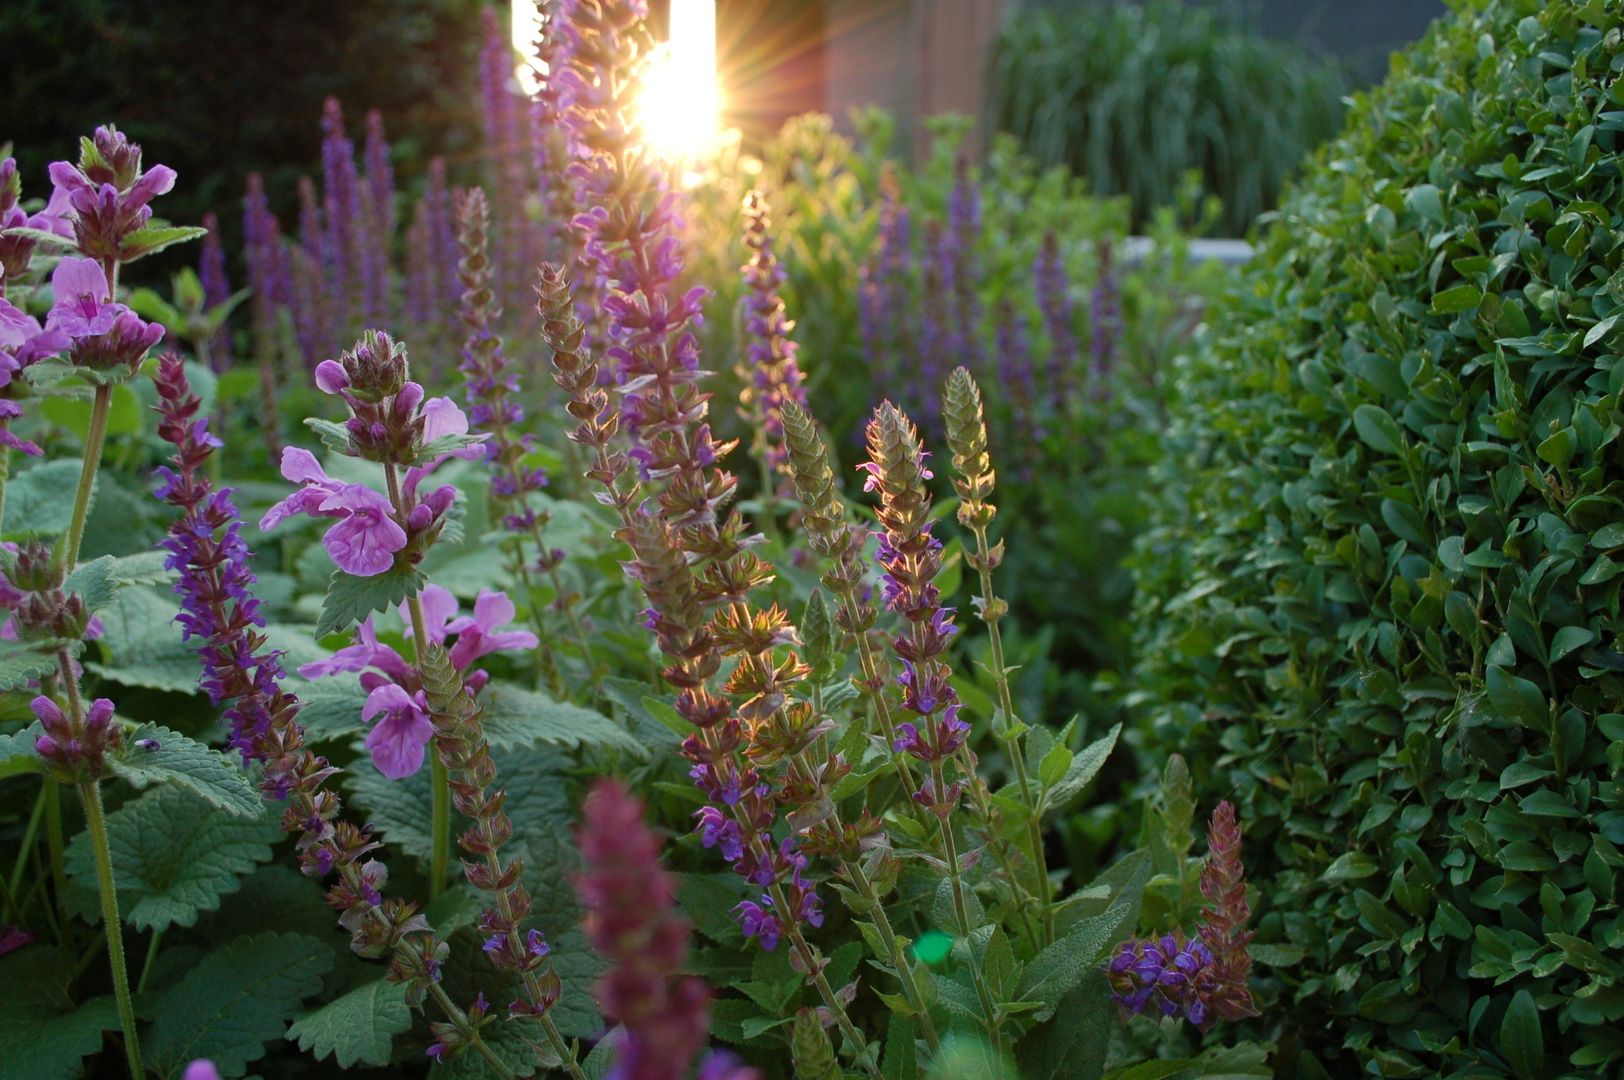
x=397, y=741
x=440, y=417
x=478, y=635
x=84, y=304
x=201, y=1069
x=439, y=608
x=366, y=652
x=365, y=537
x=22, y=341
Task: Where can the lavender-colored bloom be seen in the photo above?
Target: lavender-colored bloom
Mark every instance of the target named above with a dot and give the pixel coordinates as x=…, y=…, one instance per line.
x=342, y=208
x=771, y=374
x=935, y=332
x=441, y=234
x=364, y=538
x=397, y=741
x=961, y=270
x=1017, y=372
x=103, y=333
x=884, y=294
x=1054, y=301
x=108, y=192
x=380, y=173
x=269, y=271
x=1105, y=323
x=211, y=273
x=201, y=1069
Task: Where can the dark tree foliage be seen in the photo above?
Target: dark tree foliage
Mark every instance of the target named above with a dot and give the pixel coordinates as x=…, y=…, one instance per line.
x=225, y=87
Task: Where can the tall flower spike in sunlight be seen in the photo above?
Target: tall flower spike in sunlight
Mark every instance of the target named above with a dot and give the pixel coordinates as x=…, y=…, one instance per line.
x=680, y=110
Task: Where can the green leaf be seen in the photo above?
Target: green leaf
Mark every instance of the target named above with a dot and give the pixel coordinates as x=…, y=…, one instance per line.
x=44, y=1033
x=1084, y=767
x=1521, y=1041
x=1071, y=1044
x=1457, y=298
x=1061, y=966
x=93, y=583
x=186, y=763
x=124, y=416
x=515, y=716
x=34, y=498
x=1516, y=699
x=1379, y=430
x=351, y=599
x=360, y=1026
x=153, y=239
x=17, y=754
x=173, y=857
x=42, y=236
x=21, y=665
x=142, y=568
x=235, y=1001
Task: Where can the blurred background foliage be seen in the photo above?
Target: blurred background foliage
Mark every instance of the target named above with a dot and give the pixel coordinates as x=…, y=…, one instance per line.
x=221, y=88
x=1132, y=96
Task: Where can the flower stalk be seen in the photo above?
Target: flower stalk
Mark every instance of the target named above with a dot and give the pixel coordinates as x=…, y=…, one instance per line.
x=974, y=481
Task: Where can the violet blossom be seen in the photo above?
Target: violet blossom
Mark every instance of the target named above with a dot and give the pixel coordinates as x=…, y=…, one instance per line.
x=108, y=193
x=102, y=333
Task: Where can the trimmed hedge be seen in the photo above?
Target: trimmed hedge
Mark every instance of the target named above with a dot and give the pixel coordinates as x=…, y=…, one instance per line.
x=1380, y=604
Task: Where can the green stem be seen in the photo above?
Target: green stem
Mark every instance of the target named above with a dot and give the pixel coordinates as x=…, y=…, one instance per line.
x=440, y=853
x=1013, y=743
x=5, y=474
x=55, y=845
x=893, y=944
x=96, y=822
x=460, y=1020
x=152, y=955
x=94, y=439
x=26, y=848
x=961, y=912
x=812, y=963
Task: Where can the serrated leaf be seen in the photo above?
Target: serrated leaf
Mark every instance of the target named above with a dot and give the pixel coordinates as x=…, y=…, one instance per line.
x=184, y=762
x=44, y=1033
x=155, y=238
x=34, y=502
x=1071, y=1045
x=360, y=1026
x=330, y=708
x=41, y=236
x=17, y=754
x=21, y=665
x=516, y=717
x=143, y=643
x=350, y=599
x=335, y=437
x=1061, y=966
x=235, y=1001
x=1083, y=768
x=142, y=568
x=173, y=857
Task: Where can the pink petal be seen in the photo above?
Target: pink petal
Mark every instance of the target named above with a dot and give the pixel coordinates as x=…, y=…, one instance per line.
x=439, y=607
x=331, y=377
x=304, y=501
x=301, y=467
x=79, y=277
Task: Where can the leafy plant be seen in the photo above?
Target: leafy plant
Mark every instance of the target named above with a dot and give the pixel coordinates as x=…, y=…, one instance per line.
x=1379, y=606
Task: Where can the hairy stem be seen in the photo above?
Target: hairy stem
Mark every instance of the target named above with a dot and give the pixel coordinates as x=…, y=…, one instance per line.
x=460, y=1020
x=1012, y=741
x=94, y=440
x=961, y=912
x=96, y=822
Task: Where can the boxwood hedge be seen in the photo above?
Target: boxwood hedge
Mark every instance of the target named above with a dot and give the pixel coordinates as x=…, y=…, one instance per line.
x=1380, y=606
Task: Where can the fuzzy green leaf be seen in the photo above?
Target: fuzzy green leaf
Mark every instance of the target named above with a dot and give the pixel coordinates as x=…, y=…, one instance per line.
x=1083, y=768
x=21, y=665
x=173, y=857
x=153, y=239
x=351, y=599
x=516, y=717
x=34, y=502
x=17, y=755
x=1071, y=1045
x=360, y=1026
x=1061, y=966
x=235, y=1001
x=184, y=762
x=44, y=1032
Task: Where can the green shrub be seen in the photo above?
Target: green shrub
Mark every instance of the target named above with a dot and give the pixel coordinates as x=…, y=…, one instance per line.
x=1380, y=606
x=1131, y=96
